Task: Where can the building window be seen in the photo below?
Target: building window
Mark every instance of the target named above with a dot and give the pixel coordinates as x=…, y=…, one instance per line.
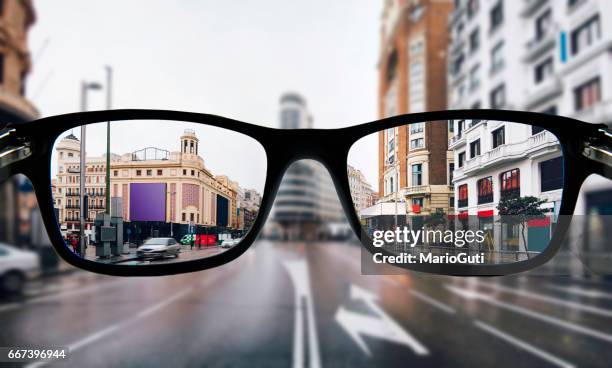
x=417, y=128
x=451, y=202
x=392, y=66
x=586, y=34
x=543, y=70
x=543, y=23
x=451, y=170
x=457, y=64
x=474, y=41
x=510, y=183
x=551, y=174
x=149, y=172
x=418, y=202
x=498, y=97
x=451, y=126
x=497, y=15
x=138, y=172
x=499, y=137
x=588, y=94
x=475, y=148
x=417, y=174
x=160, y=172
x=184, y=172
x=461, y=159
x=463, y=196
x=497, y=58
x=1, y=68
x=475, y=77
x=192, y=172
x=417, y=143
x=472, y=8
x=191, y=217
x=184, y=217
x=485, y=190
x=116, y=173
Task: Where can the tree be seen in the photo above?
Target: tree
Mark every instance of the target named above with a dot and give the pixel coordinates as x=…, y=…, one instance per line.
x=520, y=210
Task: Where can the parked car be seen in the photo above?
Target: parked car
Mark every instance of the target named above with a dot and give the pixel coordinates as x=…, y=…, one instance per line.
x=228, y=243
x=16, y=267
x=158, y=247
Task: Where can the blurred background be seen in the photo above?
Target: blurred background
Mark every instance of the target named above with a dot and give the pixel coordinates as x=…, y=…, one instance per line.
x=297, y=298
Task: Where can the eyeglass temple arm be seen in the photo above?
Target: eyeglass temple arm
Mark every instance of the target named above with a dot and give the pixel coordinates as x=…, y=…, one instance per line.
x=13, y=148
x=598, y=148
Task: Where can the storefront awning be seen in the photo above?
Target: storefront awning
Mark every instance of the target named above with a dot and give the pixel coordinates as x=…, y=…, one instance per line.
x=384, y=209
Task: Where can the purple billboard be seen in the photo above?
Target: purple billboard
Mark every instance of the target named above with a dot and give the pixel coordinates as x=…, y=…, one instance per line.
x=148, y=202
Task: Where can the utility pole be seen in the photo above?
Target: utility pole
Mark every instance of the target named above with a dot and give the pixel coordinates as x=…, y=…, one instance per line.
x=109, y=91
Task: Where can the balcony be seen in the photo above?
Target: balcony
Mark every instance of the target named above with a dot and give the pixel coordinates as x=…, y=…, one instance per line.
x=456, y=46
x=456, y=15
x=538, y=46
x=508, y=153
x=531, y=6
x=417, y=189
x=456, y=141
x=543, y=92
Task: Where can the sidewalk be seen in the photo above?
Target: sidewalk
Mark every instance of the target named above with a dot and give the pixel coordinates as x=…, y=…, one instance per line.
x=186, y=254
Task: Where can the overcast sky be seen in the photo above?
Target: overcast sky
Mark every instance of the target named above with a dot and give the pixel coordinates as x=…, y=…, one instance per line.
x=232, y=58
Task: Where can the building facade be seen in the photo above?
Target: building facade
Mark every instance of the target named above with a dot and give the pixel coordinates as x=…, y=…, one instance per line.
x=361, y=191
x=151, y=184
x=559, y=63
x=306, y=202
x=414, y=159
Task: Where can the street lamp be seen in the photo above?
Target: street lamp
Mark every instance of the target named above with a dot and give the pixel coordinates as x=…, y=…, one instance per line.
x=85, y=87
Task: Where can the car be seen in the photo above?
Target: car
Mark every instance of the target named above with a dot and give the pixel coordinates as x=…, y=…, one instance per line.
x=16, y=267
x=228, y=243
x=187, y=239
x=158, y=248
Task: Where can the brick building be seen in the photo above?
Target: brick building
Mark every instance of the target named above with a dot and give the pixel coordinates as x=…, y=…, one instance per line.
x=414, y=160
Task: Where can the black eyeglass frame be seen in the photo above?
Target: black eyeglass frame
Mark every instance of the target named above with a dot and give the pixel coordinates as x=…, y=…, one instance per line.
x=283, y=147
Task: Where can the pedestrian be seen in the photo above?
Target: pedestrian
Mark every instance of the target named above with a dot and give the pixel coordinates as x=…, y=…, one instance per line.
x=192, y=241
x=74, y=242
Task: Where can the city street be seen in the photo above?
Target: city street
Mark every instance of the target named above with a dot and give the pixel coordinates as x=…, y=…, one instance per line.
x=307, y=305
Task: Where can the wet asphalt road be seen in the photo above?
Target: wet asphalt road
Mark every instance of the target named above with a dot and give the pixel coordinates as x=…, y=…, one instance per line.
x=296, y=305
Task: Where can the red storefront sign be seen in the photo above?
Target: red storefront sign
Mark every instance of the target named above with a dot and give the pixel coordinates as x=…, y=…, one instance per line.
x=539, y=222
x=484, y=214
x=416, y=208
x=463, y=215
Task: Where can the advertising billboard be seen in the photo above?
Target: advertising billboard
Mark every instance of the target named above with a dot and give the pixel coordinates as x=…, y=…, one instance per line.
x=148, y=202
x=222, y=210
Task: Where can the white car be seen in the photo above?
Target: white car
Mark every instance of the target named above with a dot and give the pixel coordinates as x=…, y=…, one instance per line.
x=228, y=243
x=158, y=247
x=16, y=267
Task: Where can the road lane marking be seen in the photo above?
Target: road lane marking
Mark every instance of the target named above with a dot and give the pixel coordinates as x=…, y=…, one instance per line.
x=475, y=295
x=298, y=272
x=382, y=326
x=422, y=296
x=67, y=293
x=590, y=293
x=523, y=345
x=549, y=299
x=115, y=327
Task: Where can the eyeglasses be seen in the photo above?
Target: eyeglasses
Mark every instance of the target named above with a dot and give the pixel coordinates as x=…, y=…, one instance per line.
x=473, y=192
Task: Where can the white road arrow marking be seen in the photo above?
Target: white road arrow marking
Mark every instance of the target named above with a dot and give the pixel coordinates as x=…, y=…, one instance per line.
x=298, y=272
x=383, y=326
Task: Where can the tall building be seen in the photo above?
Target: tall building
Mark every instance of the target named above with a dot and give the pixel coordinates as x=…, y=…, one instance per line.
x=16, y=18
x=361, y=191
x=307, y=201
x=413, y=160
x=148, y=185
x=559, y=62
